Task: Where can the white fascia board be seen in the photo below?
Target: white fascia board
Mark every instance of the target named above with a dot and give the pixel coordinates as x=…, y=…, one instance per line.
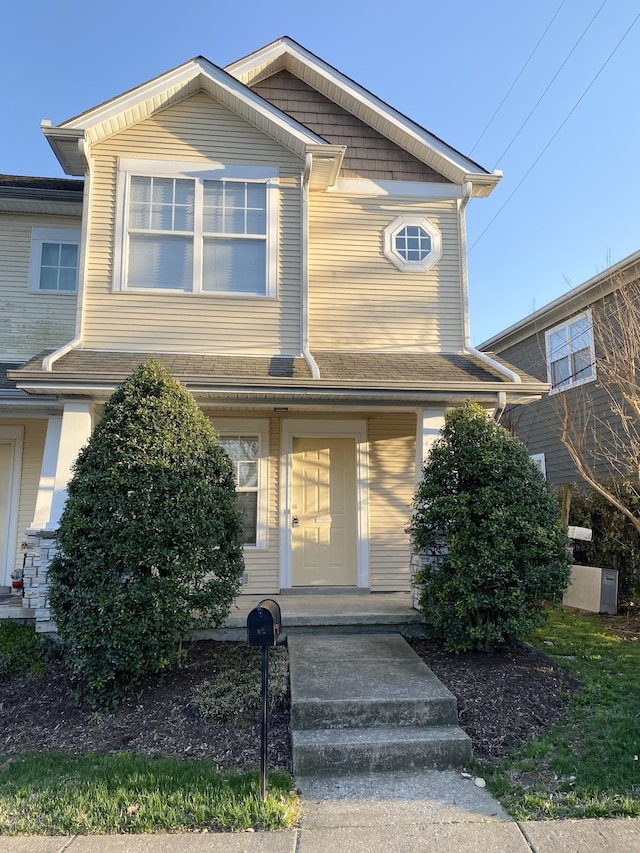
x=578, y=299
x=410, y=189
x=180, y=76
x=463, y=166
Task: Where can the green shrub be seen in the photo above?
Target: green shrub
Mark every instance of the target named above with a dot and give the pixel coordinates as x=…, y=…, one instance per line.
x=616, y=542
x=24, y=651
x=491, y=530
x=150, y=537
x=235, y=691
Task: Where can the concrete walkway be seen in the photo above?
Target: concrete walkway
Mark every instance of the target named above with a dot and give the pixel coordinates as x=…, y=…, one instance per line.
x=434, y=810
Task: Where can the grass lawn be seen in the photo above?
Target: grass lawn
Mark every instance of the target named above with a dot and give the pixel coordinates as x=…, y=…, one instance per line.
x=55, y=794
x=588, y=763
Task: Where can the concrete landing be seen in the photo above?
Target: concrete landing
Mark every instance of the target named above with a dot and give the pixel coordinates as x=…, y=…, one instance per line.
x=368, y=703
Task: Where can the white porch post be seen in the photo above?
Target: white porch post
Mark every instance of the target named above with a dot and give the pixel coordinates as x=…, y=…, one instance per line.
x=430, y=422
x=66, y=435
x=44, y=497
x=74, y=433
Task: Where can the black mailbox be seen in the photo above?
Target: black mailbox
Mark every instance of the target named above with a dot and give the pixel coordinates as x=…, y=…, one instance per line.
x=264, y=624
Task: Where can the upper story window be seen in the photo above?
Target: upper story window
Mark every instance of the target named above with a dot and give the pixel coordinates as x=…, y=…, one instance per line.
x=197, y=230
x=412, y=243
x=55, y=253
x=570, y=353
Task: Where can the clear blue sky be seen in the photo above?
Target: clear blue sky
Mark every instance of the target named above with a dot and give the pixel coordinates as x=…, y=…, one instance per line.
x=447, y=65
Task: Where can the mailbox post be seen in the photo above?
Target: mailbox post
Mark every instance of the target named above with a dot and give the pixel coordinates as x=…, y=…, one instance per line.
x=264, y=624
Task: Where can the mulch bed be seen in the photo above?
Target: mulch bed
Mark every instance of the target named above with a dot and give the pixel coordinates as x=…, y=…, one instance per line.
x=504, y=699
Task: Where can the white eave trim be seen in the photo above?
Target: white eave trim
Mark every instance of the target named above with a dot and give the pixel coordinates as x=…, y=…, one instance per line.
x=228, y=88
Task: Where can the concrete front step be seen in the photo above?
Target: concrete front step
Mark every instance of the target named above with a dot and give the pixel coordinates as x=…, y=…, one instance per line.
x=369, y=703
x=328, y=751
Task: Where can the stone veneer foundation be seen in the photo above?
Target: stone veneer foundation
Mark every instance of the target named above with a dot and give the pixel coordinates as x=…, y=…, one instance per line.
x=41, y=549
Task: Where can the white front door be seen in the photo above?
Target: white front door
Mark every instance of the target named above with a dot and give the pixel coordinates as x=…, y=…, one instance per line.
x=323, y=512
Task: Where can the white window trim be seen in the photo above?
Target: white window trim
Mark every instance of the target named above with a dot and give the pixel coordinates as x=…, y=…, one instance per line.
x=200, y=172
x=50, y=235
x=558, y=389
x=402, y=263
x=356, y=429
x=540, y=460
x=260, y=428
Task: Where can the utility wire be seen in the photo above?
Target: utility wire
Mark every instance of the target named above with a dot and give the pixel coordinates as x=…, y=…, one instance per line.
x=568, y=116
x=518, y=76
x=552, y=81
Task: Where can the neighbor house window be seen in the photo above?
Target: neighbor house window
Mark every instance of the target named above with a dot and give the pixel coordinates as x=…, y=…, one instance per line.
x=412, y=243
x=197, y=231
x=570, y=353
x=245, y=442
x=539, y=460
x=55, y=253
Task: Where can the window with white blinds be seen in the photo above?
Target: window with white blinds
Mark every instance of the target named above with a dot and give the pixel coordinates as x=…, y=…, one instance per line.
x=211, y=231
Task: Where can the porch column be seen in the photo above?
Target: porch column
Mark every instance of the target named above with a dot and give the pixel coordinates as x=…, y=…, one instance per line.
x=65, y=437
x=44, y=497
x=75, y=431
x=430, y=422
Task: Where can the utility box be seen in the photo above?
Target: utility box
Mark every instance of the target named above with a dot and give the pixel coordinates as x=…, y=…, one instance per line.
x=264, y=624
x=592, y=589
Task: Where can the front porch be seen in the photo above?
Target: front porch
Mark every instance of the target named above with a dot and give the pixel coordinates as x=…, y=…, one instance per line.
x=327, y=613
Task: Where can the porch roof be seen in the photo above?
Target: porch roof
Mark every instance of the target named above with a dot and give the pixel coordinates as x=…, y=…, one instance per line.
x=393, y=377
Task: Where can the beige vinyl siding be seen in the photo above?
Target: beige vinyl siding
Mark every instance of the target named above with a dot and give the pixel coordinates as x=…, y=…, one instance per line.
x=392, y=449
x=32, y=451
x=30, y=322
x=200, y=130
x=360, y=300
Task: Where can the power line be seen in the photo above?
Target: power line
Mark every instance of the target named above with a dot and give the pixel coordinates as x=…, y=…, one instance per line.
x=518, y=76
x=568, y=116
x=551, y=82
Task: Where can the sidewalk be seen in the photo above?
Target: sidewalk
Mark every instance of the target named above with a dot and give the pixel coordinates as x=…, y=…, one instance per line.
x=434, y=811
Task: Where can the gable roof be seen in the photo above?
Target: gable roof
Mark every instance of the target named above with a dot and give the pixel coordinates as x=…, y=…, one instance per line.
x=196, y=75
x=231, y=87
x=286, y=54
x=565, y=306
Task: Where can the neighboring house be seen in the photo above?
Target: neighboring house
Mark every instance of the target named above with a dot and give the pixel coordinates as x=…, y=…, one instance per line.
x=293, y=250
x=557, y=344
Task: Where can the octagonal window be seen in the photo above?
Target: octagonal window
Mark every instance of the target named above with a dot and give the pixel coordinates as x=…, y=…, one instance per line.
x=412, y=243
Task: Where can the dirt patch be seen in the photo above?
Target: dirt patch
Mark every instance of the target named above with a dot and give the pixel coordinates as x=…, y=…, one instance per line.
x=503, y=699
x=156, y=718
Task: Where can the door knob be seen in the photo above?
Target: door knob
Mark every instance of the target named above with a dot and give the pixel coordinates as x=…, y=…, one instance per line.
x=295, y=521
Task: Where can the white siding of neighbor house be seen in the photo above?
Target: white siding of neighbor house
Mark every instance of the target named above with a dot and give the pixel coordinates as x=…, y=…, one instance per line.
x=197, y=129
x=30, y=322
x=359, y=299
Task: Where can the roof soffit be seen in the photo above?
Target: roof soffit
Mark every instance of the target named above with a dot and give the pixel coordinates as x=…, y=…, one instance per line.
x=197, y=75
x=285, y=53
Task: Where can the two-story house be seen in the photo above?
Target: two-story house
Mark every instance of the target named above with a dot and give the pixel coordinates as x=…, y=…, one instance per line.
x=565, y=343
x=293, y=249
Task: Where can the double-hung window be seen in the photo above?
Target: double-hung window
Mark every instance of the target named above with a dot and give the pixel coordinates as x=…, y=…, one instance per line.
x=55, y=254
x=570, y=353
x=195, y=230
x=245, y=443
